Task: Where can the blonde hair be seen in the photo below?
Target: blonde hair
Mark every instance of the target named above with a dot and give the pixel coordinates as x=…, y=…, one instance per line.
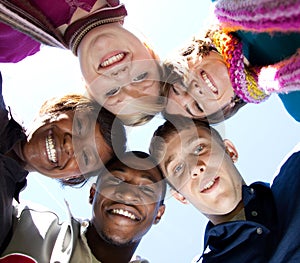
x=146, y=110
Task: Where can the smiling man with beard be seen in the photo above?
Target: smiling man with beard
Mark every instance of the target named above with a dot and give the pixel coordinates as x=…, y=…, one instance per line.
x=127, y=200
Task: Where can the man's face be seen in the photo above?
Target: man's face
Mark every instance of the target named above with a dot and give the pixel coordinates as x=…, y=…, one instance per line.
x=202, y=171
x=127, y=201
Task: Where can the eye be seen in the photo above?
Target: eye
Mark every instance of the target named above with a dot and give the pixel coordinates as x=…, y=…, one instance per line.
x=85, y=158
x=198, y=149
x=78, y=126
x=140, y=77
x=198, y=107
x=179, y=169
x=112, y=92
x=147, y=190
x=115, y=180
x=175, y=90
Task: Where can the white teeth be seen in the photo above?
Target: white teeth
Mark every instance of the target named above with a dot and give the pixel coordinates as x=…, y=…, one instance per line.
x=50, y=147
x=208, y=82
x=112, y=60
x=124, y=213
x=209, y=184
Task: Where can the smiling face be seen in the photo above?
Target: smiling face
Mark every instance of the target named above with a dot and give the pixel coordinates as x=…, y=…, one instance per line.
x=127, y=202
x=66, y=146
x=117, y=67
x=201, y=170
x=209, y=88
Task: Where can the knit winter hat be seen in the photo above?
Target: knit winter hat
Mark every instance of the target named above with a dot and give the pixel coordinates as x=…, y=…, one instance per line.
x=259, y=15
x=76, y=31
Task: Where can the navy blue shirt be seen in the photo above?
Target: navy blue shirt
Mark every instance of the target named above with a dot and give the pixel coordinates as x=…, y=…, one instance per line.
x=271, y=231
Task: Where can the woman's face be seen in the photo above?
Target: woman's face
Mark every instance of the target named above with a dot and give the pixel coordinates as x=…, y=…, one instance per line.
x=209, y=89
x=117, y=67
x=66, y=146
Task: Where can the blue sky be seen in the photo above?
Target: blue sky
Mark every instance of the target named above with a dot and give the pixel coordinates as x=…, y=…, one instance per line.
x=263, y=134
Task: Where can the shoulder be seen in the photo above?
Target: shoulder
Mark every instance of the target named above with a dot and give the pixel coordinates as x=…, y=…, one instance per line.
x=291, y=161
x=138, y=259
x=40, y=216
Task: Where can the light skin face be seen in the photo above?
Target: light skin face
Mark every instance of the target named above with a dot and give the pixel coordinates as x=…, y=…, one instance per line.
x=66, y=146
x=129, y=202
x=208, y=91
x=202, y=172
x=117, y=67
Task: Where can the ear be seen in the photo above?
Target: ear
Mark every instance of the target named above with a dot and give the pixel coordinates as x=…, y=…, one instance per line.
x=92, y=193
x=231, y=150
x=160, y=212
x=179, y=197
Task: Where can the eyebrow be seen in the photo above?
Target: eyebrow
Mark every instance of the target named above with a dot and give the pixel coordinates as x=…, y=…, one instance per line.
x=145, y=175
x=149, y=177
x=192, y=140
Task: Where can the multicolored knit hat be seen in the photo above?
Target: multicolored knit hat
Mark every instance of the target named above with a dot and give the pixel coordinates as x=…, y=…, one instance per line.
x=266, y=16
x=243, y=78
x=259, y=15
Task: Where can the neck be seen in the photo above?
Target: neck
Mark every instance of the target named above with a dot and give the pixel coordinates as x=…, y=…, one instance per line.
x=237, y=214
x=107, y=252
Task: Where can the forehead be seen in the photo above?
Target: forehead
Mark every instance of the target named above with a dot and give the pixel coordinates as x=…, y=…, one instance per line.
x=189, y=134
x=134, y=167
x=181, y=143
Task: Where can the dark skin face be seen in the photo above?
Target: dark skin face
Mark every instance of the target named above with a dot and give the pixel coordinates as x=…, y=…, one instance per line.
x=65, y=146
x=129, y=204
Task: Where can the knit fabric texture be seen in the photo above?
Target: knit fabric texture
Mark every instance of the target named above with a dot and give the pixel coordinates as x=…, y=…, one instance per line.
x=259, y=15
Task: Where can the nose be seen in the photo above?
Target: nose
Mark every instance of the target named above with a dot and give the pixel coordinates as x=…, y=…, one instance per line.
x=121, y=73
x=197, y=170
x=127, y=193
x=131, y=91
x=195, y=88
x=68, y=145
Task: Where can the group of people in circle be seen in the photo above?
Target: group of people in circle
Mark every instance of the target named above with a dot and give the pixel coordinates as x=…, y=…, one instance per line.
x=234, y=62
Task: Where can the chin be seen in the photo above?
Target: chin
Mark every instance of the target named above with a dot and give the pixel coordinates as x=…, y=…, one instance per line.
x=116, y=240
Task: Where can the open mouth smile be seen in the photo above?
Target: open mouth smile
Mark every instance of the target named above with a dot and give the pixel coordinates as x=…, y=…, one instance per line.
x=112, y=60
x=209, y=83
x=125, y=213
x=50, y=148
x=209, y=185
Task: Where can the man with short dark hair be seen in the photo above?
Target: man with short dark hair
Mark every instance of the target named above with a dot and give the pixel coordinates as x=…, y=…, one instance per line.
x=254, y=223
x=127, y=200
